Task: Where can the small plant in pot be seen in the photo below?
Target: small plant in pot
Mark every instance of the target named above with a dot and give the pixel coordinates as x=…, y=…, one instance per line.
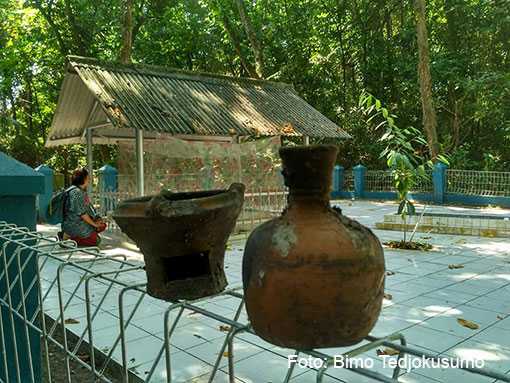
x=406, y=162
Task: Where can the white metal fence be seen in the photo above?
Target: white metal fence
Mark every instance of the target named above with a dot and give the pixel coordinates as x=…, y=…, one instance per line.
x=382, y=180
x=475, y=182
x=261, y=202
x=467, y=182
x=79, y=290
x=266, y=199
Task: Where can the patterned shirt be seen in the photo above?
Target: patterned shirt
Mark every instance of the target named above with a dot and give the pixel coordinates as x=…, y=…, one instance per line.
x=77, y=204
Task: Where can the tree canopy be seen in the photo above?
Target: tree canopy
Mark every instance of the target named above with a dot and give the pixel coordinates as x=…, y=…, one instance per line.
x=331, y=50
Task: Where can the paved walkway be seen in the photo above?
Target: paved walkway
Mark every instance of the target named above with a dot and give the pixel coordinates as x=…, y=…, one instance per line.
x=427, y=299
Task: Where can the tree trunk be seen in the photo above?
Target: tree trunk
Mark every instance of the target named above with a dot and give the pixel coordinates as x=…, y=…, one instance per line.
x=80, y=41
x=429, y=113
x=29, y=104
x=453, y=17
x=127, y=33
x=252, y=37
x=14, y=112
x=237, y=47
x=64, y=49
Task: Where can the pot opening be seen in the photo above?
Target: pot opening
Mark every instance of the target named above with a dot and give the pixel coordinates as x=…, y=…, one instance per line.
x=192, y=195
x=187, y=266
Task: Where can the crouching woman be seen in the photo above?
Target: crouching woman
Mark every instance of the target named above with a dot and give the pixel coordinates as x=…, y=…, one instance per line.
x=80, y=221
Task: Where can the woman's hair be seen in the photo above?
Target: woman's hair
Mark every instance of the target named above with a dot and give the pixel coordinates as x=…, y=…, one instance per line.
x=79, y=176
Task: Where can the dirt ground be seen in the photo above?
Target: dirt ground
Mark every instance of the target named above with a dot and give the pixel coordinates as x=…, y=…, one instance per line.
x=58, y=369
x=79, y=373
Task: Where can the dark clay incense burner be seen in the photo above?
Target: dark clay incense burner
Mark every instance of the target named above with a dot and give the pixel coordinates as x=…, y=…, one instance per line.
x=312, y=277
x=183, y=237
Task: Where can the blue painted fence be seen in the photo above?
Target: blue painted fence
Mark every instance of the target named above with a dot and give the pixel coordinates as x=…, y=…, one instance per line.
x=21, y=344
x=107, y=177
x=444, y=186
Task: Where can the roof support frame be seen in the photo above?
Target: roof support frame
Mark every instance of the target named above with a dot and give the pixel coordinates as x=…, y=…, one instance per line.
x=90, y=158
x=89, y=146
x=100, y=125
x=89, y=116
x=140, y=176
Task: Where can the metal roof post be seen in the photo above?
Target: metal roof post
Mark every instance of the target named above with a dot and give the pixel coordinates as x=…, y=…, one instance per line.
x=90, y=158
x=139, y=162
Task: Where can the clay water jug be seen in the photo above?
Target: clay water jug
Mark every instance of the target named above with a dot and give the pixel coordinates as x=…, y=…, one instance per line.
x=312, y=277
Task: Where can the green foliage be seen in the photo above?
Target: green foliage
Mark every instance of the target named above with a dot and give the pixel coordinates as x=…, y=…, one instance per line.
x=330, y=50
x=403, y=152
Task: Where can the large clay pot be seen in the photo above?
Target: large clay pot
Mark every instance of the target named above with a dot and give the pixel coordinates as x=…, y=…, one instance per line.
x=312, y=278
x=183, y=237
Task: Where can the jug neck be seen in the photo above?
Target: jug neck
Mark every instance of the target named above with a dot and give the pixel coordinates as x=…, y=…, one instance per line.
x=308, y=200
x=307, y=171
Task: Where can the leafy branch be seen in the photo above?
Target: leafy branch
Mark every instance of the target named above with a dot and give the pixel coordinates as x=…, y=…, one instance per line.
x=402, y=153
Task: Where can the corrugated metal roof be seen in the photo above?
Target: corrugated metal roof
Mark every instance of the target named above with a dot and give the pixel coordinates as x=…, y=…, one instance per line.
x=170, y=101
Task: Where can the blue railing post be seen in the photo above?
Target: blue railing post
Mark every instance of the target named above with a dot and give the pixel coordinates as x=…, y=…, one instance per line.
x=44, y=199
x=338, y=180
x=21, y=344
x=359, y=172
x=439, y=182
x=108, y=181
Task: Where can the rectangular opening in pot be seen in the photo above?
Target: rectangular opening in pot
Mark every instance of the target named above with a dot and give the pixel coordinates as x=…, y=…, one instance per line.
x=187, y=266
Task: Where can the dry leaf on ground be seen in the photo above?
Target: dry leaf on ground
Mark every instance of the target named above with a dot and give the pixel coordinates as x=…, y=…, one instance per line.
x=84, y=357
x=468, y=324
x=454, y=266
x=406, y=245
x=386, y=351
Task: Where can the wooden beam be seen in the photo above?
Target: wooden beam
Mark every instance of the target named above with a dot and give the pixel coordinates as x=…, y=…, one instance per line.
x=191, y=137
x=113, y=136
x=89, y=116
x=100, y=125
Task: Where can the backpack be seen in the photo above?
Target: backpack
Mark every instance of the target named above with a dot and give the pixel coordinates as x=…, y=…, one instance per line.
x=56, y=208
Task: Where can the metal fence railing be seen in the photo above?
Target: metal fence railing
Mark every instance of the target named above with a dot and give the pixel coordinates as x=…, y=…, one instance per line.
x=424, y=184
x=475, y=182
x=185, y=182
x=382, y=181
x=258, y=207
x=85, y=309
x=379, y=180
x=266, y=199
x=261, y=203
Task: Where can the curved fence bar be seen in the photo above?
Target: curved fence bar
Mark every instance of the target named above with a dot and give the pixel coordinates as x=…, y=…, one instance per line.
x=88, y=310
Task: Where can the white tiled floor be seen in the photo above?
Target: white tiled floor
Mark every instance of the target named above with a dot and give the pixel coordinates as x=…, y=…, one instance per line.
x=427, y=299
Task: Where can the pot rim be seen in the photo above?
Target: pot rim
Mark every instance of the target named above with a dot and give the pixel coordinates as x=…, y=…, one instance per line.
x=308, y=148
x=207, y=199
x=181, y=196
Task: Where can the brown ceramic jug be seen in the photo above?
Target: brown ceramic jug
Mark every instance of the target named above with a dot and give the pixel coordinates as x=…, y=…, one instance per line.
x=312, y=277
x=183, y=237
